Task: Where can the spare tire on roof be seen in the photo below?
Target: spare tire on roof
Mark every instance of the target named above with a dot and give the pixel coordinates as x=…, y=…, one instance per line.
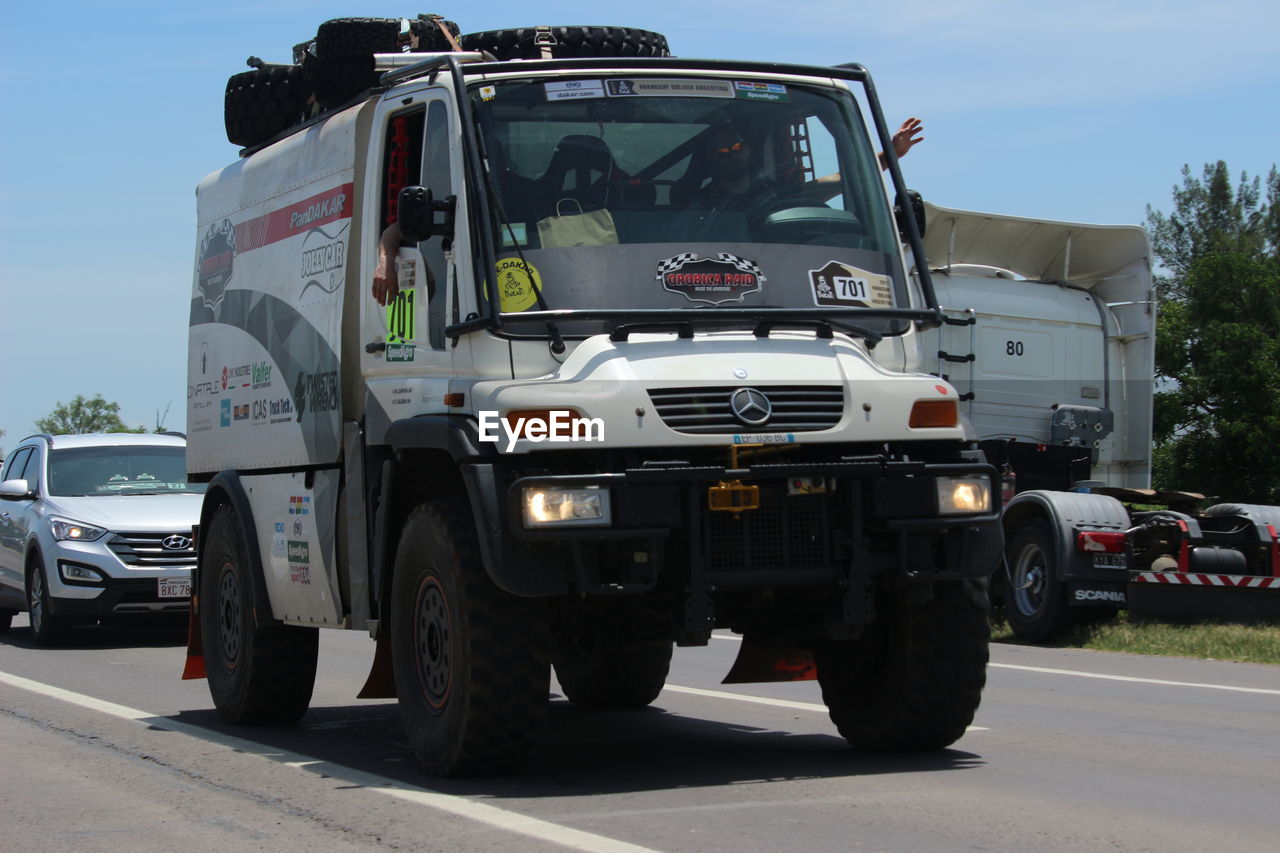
x=263, y=102
x=430, y=38
x=567, y=42
x=353, y=38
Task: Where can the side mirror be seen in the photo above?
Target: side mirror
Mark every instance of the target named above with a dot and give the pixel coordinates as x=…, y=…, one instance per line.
x=915, y=208
x=15, y=490
x=422, y=217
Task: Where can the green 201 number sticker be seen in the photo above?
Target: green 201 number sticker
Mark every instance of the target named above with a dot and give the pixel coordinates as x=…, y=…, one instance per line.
x=400, y=317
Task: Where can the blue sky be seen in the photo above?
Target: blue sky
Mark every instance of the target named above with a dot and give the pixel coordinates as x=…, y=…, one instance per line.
x=111, y=112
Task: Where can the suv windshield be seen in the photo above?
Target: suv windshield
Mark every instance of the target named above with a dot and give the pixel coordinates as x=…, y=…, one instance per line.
x=119, y=470
x=676, y=192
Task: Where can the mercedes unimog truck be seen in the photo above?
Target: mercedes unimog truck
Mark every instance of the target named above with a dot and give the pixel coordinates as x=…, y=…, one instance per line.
x=649, y=368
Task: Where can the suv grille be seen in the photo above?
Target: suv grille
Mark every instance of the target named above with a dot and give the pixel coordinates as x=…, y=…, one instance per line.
x=146, y=550
x=802, y=408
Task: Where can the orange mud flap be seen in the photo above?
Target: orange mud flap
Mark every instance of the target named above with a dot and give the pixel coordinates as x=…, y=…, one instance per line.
x=758, y=662
x=381, y=683
x=194, y=667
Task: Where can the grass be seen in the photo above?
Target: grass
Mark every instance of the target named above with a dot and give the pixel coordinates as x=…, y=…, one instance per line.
x=1251, y=643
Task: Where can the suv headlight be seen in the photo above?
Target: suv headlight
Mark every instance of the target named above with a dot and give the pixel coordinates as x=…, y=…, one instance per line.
x=64, y=529
x=963, y=495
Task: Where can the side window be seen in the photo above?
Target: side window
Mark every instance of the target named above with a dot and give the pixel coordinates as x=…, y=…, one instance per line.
x=437, y=177
x=13, y=468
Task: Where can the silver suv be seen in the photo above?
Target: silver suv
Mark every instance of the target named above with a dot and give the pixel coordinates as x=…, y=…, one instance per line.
x=95, y=527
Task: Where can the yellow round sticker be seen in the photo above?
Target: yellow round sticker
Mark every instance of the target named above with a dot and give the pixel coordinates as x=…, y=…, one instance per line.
x=516, y=282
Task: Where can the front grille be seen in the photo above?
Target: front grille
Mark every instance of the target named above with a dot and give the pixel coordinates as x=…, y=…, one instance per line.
x=802, y=408
x=145, y=551
x=786, y=532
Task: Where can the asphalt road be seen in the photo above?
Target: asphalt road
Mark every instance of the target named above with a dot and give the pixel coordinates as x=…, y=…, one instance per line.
x=103, y=748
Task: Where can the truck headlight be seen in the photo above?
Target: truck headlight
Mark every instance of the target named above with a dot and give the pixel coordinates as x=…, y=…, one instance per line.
x=64, y=529
x=963, y=495
x=549, y=506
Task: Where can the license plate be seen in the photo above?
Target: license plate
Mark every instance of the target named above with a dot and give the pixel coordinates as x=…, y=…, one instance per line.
x=175, y=587
x=1109, y=561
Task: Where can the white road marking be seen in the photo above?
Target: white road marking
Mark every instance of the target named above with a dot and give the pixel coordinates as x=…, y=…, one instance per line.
x=1049, y=670
x=573, y=839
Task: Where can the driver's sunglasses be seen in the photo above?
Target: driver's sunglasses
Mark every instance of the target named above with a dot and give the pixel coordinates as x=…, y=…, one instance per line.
x=733, y=148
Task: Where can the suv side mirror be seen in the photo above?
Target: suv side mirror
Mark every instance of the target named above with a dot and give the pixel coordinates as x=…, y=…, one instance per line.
x=914, y=207
x=15, y=490
x=417, y=213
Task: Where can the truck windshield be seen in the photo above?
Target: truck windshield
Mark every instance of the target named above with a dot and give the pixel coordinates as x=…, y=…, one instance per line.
x=677, y=192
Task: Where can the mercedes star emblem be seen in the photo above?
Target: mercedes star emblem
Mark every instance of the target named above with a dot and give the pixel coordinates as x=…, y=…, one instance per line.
x=750, y=407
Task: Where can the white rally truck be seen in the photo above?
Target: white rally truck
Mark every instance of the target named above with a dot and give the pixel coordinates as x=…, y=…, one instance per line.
x=650, y=369
x=1049, y=337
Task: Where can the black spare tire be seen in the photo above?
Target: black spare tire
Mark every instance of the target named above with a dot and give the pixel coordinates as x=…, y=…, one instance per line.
x=567, y=42
x=263, y=102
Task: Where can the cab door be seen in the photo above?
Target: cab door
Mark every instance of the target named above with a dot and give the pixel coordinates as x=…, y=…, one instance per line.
x=406, y=359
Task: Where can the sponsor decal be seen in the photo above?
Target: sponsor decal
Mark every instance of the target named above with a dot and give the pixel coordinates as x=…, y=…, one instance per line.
x=217, y=252
x=323, y=261
x=488, y=93
x=280, y=411
x=320, y=209
x=202, y=389
x=240, y=412
x=712, y=281
x=559, y=427
x=279, y=527
x=299, y=552
x=260, y=374
x=400, y=352
x=317, y=391
x=572, y=90
x=225, y=412
x=756, y=91
x=235, y=377
x=261, y=411
x=1112, y=596
x=686, y=88
x=299, y=505
x=277, y=545
x=518, y=285
x=840, y=285
x=297, y=528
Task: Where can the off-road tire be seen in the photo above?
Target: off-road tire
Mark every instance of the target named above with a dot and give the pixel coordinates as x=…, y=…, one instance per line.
x=47, y=629
x=600, y=665
x=570, y=42
x=257, y=673
x=263, y=102
x=430, y=39
x=352, y=38
x=1035, y=597
x=471, y=665
x=913, y=680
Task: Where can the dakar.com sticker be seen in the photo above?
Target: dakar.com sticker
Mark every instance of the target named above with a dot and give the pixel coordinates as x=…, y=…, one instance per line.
x=518, y=285
x=842, y=286
x=711, y=281
x=572, y=90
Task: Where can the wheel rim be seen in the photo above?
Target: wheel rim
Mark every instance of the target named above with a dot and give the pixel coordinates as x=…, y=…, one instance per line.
x=432, y=640
x=1029, y=580
x=36, y=603
x=229, y=616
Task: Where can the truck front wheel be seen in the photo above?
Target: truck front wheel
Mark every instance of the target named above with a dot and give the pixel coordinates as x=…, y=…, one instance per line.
x=471, y=666
x=914, y=679
x=600, y=665
x=1035, y=597
x=257, y=673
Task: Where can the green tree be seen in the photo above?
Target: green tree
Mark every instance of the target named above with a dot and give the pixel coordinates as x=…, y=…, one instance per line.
x=1217, y=415
x=81, y=415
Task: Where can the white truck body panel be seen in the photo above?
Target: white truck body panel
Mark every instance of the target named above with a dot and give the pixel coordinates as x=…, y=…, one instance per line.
x=1063, y=316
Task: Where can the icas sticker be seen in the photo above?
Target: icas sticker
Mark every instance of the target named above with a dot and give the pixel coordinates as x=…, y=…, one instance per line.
x=712, y=281
x=518, y=285
x=842, y=286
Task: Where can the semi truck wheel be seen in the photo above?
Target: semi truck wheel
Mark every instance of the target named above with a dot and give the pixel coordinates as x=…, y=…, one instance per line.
x=913, y=680
x=263, y=102
x=471, y=666
x=257, y=674
x=567, y=42
x=1035, y=598
x=599, y=666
